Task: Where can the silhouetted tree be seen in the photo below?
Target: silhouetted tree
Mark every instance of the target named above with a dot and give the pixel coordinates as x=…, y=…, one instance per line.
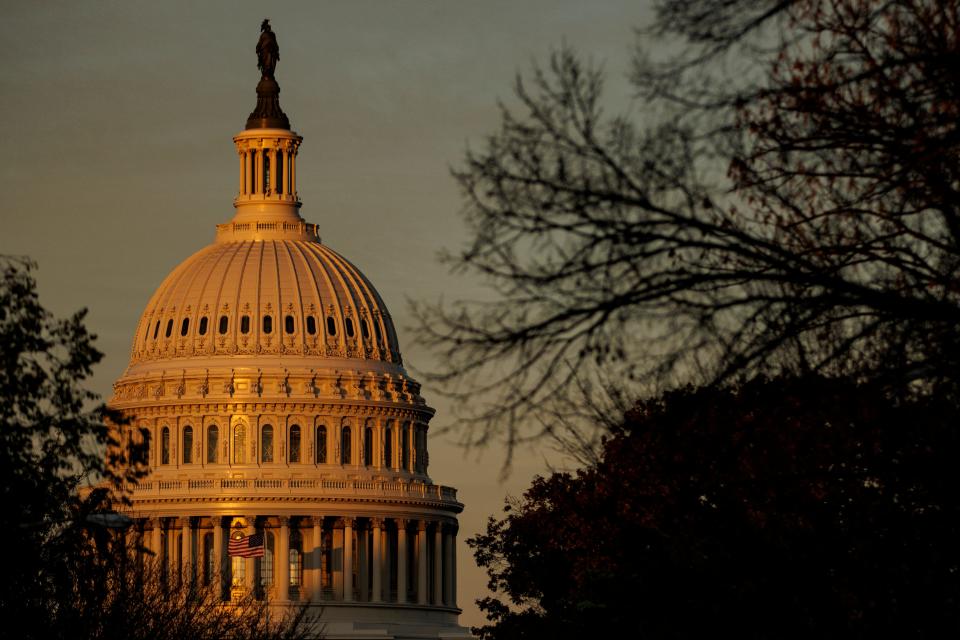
x=52, y=436
x=115, y=591
x=64, y=577
x=784, y=197
x=777, y=509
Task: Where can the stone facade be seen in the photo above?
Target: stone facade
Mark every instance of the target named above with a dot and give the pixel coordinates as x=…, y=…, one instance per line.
x=267, y=372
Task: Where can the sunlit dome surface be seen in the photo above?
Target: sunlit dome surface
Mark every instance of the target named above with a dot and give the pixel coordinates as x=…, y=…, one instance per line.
x=296, y=298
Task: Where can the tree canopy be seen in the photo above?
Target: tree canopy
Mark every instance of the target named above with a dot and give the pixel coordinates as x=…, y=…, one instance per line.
x=52, y=437
x=63, y=576
x=778, y=509
x=783, y=197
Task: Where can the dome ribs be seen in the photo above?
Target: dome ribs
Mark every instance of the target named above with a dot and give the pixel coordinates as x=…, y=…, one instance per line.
x=315, y=268
x=296, y=294
x=359, y=286
x=218, y=302
x=266, y=277
x=239, y=303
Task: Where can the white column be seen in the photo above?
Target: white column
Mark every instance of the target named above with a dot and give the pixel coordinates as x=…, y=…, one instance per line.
x=288, y=167
x=186, y=557
x=217, y=577
x=251, y=176
x=249, y=563
x=363, y=561
x=377, y=594
x=453, y=567
x=156, y=542
x=258, y=180
x=197, y=555
x=438, y=564
x=401, y=560
x=348, y=559
x=422, y=596
x=293, y=173
x=172, y=553
x=242, y=167
x=448, y=586
x=281, y=563
x=317, y=555
x=271, y=153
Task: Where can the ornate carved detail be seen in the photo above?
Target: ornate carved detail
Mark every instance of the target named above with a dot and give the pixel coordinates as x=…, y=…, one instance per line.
x=182, y=385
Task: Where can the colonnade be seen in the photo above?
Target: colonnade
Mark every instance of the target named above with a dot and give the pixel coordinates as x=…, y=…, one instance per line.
x=267, y=170
x=330, y=558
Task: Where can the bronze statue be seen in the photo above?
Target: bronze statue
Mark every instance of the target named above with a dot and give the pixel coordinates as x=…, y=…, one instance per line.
x=268, y=51
x=267, y=114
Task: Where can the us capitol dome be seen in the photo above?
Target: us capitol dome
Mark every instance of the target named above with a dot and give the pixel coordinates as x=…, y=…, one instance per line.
x=267, y=372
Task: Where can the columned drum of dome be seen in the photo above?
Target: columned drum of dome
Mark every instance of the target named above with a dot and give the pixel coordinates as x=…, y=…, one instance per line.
x=267, y=372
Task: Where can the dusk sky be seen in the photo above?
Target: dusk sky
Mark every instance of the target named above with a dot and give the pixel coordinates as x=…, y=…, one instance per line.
x=117, y=121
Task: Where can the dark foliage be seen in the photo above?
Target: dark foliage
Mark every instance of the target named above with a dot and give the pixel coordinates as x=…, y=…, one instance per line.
x=52, y=437
x=115, y=591
x=784, y=509
x=64, y=577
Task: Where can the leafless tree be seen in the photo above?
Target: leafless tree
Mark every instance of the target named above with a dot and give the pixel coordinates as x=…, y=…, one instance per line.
x=784, y=198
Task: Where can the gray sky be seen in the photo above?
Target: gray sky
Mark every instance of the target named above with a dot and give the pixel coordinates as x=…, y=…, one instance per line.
x=117, y=121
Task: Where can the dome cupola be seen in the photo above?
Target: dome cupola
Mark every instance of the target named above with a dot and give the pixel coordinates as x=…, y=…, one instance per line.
x=265, y=379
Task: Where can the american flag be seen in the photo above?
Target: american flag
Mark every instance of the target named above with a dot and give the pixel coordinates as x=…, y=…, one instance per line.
x=247, y=546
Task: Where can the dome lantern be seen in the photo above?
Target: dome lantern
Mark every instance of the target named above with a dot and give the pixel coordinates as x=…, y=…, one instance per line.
x=267, y=203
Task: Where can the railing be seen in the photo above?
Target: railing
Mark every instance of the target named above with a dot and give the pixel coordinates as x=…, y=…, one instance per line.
x=308, y=229
x=295, y=486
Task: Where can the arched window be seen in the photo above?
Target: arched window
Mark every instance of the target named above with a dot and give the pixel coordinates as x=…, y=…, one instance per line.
x=349, y=324
x=388, y=445
x=267, y=324
x=266, y=443
x=311, y=325
x=238, y=564
x=368, y=446
x=169, y=328
x=321, y=445
x=239, y=444
x=376, y=330
x=188, y=445
x=345, y=445
x=165, y=445
x=295, y=443
x=288, y=324
x=208, y=558
x=244, y=324
x=331, y=326
x=184, y=326
x=156, y=329
x=405, y=446
x=213, y=441
x=266, y=563
x=296, y=559
x=224, y=321
x=203, y=326
x=364, y=329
